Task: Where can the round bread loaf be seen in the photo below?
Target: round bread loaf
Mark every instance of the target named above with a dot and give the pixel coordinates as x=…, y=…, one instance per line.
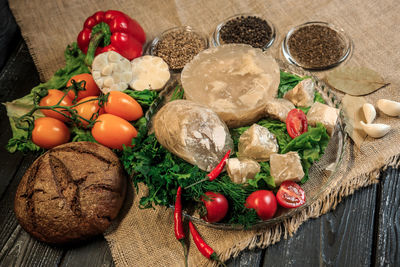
x=70, y=193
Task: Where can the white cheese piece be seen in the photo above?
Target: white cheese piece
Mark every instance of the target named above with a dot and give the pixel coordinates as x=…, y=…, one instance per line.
x=111, y=72
x=324, y=114
x=286, y=167
x=257, y=143
x=302, y=95
x=149, y=72
x=278, y=108
x=241, y=170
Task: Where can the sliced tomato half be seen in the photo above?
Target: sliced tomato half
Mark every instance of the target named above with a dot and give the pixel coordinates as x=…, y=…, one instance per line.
x=296, y=123
x=290, y=195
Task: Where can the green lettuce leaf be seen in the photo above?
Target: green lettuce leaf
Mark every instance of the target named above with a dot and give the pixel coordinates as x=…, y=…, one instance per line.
x=310, y=146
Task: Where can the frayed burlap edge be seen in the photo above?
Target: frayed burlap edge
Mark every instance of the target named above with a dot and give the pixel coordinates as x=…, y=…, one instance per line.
x=323, y=205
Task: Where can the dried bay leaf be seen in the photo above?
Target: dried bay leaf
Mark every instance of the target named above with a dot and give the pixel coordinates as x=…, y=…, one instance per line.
x=355, y=80
x=353, y=114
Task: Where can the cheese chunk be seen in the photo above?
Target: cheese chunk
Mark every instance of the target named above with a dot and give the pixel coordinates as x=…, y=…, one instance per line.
x=302, y=95
x=278, y=108
x=241, y=170
x=324, y=114
x=257, y=143
x=286, y=167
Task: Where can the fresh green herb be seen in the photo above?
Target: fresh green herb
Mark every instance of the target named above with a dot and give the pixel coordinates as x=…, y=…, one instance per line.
x=178, y=93
x=310, y=146
x=79, y=134
x=145, y=98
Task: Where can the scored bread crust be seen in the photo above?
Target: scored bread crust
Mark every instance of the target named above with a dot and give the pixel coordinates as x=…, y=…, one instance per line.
x=70, y=193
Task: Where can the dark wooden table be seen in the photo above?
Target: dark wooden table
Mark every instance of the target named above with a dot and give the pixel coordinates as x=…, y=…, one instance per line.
x=362, y=231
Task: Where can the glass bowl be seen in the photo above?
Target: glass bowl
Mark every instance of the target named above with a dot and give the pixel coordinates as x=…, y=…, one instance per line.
x=322, y=172
x=177, y=58
x=346, y=46
x=217, y=40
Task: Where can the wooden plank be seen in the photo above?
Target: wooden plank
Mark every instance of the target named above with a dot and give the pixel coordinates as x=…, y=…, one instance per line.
x=93, y=253
x=16, y=79
x=18, y=248
x=340, y=238
x=247, y=258
x=388, y=224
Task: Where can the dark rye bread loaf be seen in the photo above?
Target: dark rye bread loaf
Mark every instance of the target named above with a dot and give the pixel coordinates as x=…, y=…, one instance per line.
x=70, y=193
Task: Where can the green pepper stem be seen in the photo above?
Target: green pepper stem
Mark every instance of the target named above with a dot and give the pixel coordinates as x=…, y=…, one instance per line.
x=100, y=33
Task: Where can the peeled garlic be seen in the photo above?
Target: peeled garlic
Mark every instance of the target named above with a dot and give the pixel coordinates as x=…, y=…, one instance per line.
x=389, y=107
x=375, y=130
x=111, y=72
x=369, y=112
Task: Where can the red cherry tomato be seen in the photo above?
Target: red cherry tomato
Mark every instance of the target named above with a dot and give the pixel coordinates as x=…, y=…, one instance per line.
x=49, y=132
x=216, y=205
x=52, y=98
x=264, y=202
x=113, y=131
x=88, y=109
x=290, y=195
x=91, y=88
x=123, y=105
x=296, y=123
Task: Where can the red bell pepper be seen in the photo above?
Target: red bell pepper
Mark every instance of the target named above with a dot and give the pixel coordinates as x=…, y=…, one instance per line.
x=111, y=31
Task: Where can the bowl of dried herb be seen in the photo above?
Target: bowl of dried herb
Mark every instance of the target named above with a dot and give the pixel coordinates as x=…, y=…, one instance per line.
x=316, y=46
x=249, y=29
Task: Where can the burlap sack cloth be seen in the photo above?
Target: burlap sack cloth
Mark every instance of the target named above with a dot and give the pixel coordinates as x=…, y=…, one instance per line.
x=146, y=237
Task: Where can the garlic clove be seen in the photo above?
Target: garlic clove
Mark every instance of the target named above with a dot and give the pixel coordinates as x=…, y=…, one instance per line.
x=375, y=130
x=369, y=112
x=389, y=107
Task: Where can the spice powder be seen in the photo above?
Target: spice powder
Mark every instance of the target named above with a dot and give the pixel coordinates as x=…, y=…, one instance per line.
x=179, y=47
x=316, y=46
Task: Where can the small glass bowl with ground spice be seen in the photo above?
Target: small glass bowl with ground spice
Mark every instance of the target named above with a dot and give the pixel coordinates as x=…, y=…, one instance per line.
x=316, y=46
x=178, y=45
x=248, y=29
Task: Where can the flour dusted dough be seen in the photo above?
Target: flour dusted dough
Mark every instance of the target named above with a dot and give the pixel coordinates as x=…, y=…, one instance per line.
x=193, y=132
x=234, y=80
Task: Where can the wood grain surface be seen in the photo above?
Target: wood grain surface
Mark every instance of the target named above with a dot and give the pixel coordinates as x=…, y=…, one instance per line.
x=362, y=231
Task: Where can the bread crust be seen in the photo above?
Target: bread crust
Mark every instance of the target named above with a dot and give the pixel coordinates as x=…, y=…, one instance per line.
x=71, y=193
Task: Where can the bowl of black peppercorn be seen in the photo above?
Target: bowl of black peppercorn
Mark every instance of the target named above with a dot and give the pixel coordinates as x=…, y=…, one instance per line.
x=248, y=29
x=316, y=45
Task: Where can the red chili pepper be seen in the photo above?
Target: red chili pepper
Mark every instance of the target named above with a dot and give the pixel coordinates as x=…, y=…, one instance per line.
x=218, y=169
x=117, y=32
x=202, y=246
x=215, y=172
x=178, y=226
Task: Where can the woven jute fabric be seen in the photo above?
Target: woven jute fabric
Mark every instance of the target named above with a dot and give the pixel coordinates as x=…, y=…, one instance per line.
x=146, y=237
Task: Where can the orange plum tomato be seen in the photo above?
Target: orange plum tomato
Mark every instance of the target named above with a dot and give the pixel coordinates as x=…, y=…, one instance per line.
x=88, y=109
x=123, y=105
x=49, y=132
x=91, y=88
x=113, y=131
x=53, y=97
x=264, y=202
